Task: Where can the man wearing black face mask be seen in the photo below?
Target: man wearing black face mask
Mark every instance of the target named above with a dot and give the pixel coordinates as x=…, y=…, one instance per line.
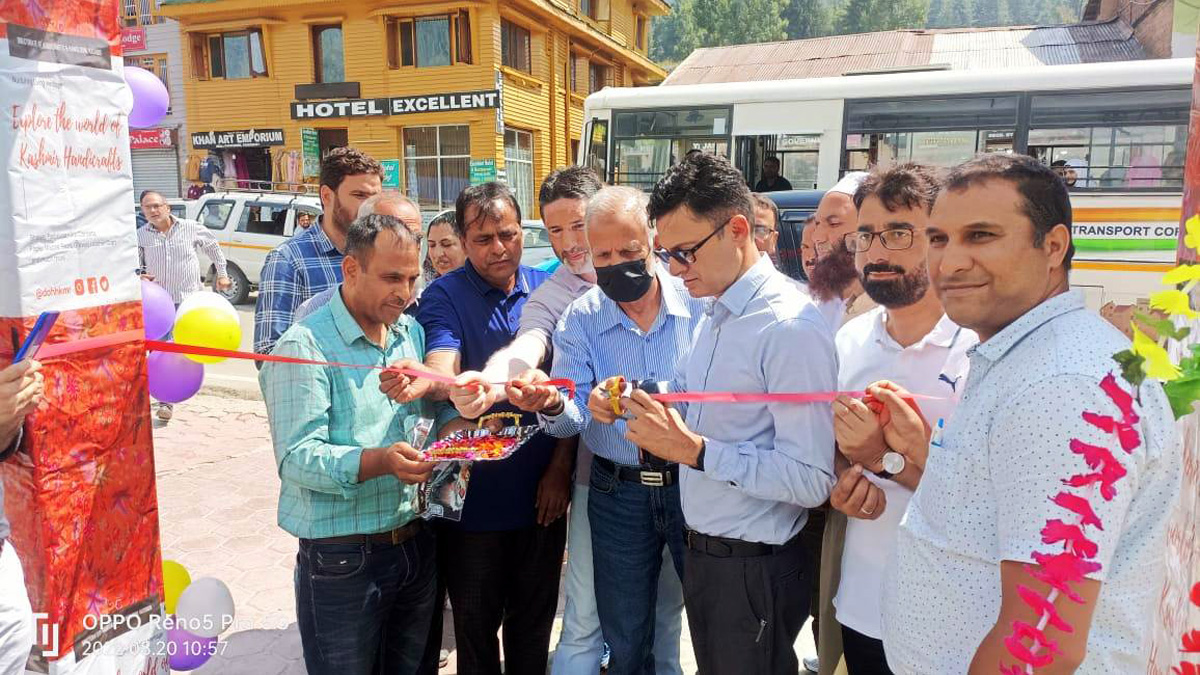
x=633, y=325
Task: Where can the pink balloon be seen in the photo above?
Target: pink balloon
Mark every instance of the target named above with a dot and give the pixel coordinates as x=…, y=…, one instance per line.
x=173, y=377
x=150, y=97
x=158, y=310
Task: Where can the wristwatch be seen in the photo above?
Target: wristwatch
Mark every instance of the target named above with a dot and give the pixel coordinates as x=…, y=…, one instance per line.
x=893, y=463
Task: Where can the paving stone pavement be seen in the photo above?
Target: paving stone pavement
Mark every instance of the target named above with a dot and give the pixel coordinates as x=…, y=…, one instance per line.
x=217, y=492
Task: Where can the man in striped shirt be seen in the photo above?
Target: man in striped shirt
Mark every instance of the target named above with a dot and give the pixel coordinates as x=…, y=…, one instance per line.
x=167, y=248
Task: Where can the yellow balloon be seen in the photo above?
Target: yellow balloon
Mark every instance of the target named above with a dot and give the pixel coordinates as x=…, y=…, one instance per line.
x=208, y=327
x=175, y=579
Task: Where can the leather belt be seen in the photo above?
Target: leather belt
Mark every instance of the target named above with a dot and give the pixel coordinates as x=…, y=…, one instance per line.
x=664, y=477
x=724, y=547
x=391, y=537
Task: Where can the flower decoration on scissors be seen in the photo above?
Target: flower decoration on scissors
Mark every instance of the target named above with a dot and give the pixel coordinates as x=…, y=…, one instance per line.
x=481, y=444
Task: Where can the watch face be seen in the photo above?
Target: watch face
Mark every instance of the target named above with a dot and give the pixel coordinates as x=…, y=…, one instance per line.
x=893, y=462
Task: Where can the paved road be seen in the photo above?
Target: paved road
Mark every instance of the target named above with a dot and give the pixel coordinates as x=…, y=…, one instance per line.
x=217, y=492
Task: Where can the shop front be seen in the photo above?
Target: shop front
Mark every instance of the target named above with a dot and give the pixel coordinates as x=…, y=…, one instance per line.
x=242, y=159
x=154, y=153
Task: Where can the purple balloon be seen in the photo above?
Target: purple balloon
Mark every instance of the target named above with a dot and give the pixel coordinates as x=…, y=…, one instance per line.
x=173, y=377
x=158, y=310
x=150, y=97
x=186, y=651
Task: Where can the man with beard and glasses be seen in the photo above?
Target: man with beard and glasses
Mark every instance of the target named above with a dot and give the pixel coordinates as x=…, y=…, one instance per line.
x=311, y=261
x=633, y=326
x=834, y=281
x=907, y=340
x=564, y=198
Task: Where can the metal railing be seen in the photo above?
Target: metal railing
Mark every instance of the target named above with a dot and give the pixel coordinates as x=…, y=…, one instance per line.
x=251, y=185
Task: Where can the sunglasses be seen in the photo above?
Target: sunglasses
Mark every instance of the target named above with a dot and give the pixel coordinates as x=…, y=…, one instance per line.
x=686, y=256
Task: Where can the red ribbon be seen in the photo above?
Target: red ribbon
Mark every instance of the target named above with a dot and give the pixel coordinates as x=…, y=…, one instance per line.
x=63, y=348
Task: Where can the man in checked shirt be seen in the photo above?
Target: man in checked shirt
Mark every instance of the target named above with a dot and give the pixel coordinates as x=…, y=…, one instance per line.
x=167, y=247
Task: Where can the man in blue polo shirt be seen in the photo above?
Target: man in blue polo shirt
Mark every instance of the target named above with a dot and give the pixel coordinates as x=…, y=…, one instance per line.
x=500, y=565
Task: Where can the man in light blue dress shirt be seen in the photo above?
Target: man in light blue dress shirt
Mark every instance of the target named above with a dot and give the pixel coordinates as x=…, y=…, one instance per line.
x=750, y=472
x=632, y=325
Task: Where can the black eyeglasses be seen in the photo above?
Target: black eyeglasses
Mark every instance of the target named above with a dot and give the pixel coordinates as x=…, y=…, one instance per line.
x=892, y=240
x=686, y=256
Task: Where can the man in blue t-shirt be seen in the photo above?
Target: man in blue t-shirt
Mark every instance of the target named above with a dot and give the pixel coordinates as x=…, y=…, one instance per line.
x=499, y=563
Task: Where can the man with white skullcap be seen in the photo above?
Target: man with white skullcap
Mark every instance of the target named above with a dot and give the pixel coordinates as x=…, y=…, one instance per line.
x=834, y=283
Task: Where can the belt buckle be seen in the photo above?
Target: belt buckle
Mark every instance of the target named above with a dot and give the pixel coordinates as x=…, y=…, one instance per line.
x=652, y=478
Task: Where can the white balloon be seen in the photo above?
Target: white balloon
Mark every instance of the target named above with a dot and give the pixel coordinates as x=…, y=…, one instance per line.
x=205, y=299
x=205, y=608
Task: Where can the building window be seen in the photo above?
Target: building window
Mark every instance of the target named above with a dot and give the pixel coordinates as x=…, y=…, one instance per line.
x=597, y=77
x=514, y=46
x=588, y=8
x=437, y=164
x=641, y=33
x=155, y=63
x=328, y=56
x=574, y=78
x=429, y=41
x=518, y=166
x=139, y=13
x=232, y=56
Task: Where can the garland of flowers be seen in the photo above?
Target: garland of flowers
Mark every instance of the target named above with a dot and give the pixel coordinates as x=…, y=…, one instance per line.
x=1190, y=643
x=1147, y=357
x=1060, y=570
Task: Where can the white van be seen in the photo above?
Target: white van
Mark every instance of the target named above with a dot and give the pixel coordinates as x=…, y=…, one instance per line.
x=249, y=225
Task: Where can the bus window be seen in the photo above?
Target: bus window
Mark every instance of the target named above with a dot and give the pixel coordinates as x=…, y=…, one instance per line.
x=1113, y=140
x=640, y=162
x=597, y=157
x=941, y=131
x=940, y=148
x=646, y=143
x=797, y=154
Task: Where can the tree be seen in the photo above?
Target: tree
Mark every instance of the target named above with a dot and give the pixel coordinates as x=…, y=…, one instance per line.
x=994, y=13
x=936, y=16
x=961, y=13
x=863, y=16
x=806, y=19
x=716, y=23
x=664, y=41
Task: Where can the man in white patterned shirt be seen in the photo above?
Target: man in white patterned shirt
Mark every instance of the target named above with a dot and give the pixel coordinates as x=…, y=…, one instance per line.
x=167, y=247
x=1004, y=505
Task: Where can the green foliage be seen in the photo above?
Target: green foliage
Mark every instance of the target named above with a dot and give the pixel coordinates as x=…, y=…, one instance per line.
x=807, y=18
x=864, y=16
x=693, y=24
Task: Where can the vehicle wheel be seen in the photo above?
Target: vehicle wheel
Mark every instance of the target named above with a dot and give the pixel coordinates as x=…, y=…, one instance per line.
x=239, y=290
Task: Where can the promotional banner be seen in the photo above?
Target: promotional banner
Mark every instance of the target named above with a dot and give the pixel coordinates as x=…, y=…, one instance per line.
x=80, y=493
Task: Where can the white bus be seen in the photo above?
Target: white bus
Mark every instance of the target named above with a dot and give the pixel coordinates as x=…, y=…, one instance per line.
x=1119, y=129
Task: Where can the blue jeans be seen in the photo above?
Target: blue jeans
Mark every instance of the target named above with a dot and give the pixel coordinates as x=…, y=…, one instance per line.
x=581, y=643
x=631, y=523
x=365, y=609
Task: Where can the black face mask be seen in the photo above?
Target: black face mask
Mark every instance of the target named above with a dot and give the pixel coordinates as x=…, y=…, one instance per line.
x=625, y=282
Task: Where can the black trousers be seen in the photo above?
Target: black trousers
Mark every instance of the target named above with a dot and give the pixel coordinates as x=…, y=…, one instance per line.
x=811, y=537
x=746, y=613
x=503, y=579
x=864, y=655
x=433, y=648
